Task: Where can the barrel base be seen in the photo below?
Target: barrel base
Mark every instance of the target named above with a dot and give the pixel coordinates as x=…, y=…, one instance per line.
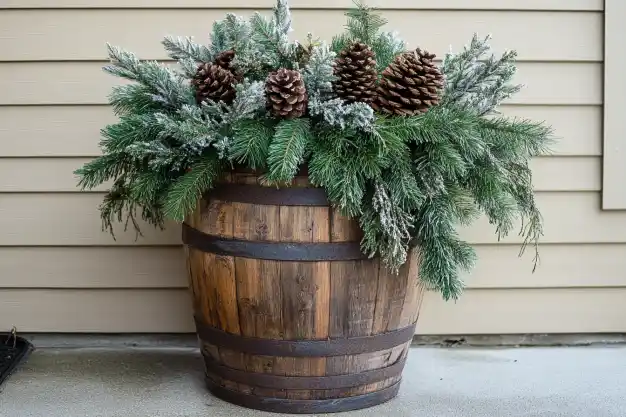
x=282, y=405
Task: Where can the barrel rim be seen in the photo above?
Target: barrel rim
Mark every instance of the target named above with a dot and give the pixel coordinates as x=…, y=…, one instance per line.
x=281, y=196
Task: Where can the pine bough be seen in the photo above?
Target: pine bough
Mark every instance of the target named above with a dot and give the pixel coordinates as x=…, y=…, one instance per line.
x=409, y=180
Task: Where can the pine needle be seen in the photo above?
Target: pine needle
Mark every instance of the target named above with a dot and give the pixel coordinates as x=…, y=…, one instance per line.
x=184, y=194
x=286, y=151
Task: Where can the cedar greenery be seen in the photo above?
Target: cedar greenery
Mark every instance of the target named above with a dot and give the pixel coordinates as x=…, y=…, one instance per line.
x=409, y=180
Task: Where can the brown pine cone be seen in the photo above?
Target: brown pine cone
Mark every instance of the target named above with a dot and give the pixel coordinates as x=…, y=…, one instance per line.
x=224, y=59
x=356, y=68
x=286, y=94
x=409, y=85
x=213, y=82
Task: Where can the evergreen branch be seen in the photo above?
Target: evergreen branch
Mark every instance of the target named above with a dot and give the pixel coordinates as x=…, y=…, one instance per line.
x=186, y=191
x=134, y=98
x=340, y=174
x=386, y=47
x=186, y=127
x=286, y=152
x=166, y=87
x=251, y=143
x=340, y=42
x=101, y=169
x=475, y=84
x=318, y=73
x=132, y=128
x=363, y=23
x=353, y=116
x=402, y=184
x=282, y=17
x=517, y=139
x=117, y=206
x=386, y=228
x=188, y=67
x=443, y=255
x=148, y=186
x=532, y=220
x=184, y=47
x=274, y=44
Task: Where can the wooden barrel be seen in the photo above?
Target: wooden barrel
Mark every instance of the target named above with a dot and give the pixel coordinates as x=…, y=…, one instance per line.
x=290, y=315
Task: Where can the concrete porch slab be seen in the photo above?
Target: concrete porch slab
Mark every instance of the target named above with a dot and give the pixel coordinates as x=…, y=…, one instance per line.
x=454, y=382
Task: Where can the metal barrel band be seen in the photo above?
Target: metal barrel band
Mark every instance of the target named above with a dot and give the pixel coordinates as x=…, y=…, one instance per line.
x=304, y=382
x=256, y=194
x=277, y=251
x=282, y=405
x=306, y=347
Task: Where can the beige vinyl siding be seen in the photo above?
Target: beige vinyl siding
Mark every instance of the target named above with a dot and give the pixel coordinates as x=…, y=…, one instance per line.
x=584, y=5
x=23, y=38
x=60, y=272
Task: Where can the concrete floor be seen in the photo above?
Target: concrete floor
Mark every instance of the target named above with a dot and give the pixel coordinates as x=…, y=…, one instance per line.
x=464, y=382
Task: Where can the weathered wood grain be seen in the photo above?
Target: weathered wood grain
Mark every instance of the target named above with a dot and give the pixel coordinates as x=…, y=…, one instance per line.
x=297, y=300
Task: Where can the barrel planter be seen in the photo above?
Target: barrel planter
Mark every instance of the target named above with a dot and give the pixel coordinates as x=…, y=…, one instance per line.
x=290, y=315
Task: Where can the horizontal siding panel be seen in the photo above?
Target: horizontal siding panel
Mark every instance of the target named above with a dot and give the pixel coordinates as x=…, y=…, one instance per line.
x=96, y=311
x=578, y=128
x=595, y=5
x=600, y=310
x=85, y=83
x=61, y=219
x=68, y=219
x=51, y=34
x=74, y=131
x=41, y=175
x=572, y=173
x=562, y=266
x=169, y=311
x=92, y=267
x=57, y=174
x=53, y=130
x=574, y=217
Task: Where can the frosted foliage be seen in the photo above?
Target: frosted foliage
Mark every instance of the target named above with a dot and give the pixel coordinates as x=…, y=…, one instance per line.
x=477, y=83
x=179, y=47
x=282, y=17
x=271, y=36
x=166, y=86
x=335, y=112
x=249, y=101
x=395, y=221
x=318, y=73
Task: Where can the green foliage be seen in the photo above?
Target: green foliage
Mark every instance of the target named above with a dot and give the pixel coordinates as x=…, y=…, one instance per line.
x=410, y=181
x=185, y=192
x=184, y=47
x=363, y=23
x=286, y=151
x=271, y=36
x=251, y=143
x=476, y=82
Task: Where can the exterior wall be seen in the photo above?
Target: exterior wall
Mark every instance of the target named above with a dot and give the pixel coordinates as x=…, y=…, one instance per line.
x=59, y=272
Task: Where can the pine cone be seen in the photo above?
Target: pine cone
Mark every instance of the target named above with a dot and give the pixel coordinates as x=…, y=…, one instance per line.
x=286, y=94
x=224, y=59
x=214, y=83
x=356, y=69
x=409, y=85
